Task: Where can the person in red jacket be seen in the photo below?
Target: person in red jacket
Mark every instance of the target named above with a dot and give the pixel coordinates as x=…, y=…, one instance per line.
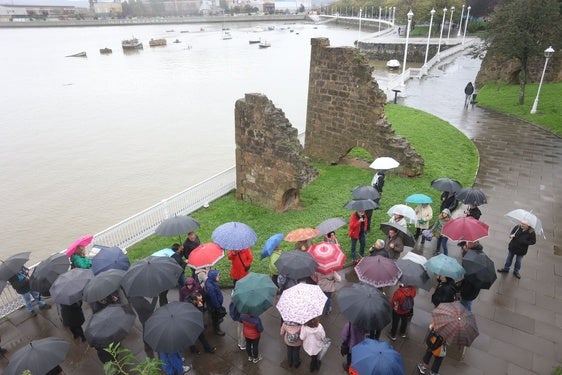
x=241, y=262
x=402, y=303
x=358, y=223
x=252, y=332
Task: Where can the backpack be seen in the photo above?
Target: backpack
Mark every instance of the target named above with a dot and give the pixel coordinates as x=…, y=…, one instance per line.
x=291, y=337
x=407, y=304
x=433, y=340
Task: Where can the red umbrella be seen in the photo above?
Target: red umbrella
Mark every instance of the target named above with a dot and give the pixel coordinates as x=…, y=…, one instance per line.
x=84, y=241
x=455, y=323
x=205, y=255
x=329, y=257
x=465, y=229
x=378, y=271
x=301, y=234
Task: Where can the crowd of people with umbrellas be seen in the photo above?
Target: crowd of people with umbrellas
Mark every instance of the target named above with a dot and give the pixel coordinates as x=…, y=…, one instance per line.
x=301, y=284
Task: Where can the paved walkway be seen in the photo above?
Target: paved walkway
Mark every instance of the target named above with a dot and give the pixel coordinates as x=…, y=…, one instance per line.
x=520, y=321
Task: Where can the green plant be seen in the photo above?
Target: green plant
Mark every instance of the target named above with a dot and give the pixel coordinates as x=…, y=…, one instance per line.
x=557, y=370
x=124, y=363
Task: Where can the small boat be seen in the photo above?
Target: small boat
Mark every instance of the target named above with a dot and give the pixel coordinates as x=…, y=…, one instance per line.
x=177, y=41
x=258, y=29
x=393, y=64
x=254, y=41
x=157, y=42
x=79, y=54
x=106, y=51
x=170, y=31
x=265, y=44
x=226, y=35
x=131, y=44
x=184, y=31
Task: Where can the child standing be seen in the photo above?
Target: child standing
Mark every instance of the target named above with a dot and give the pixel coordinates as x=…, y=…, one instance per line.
x=312, y=336
x=252, y=332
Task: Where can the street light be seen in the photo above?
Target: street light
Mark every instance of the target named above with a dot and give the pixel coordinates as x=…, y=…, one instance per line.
x=460, y=22
x=441, y=33
x=359, y=36
x=410, y=15
x=393, y=15
x=548, y=54
x=466, y=23
x=450, y=22
x=380, y=11
x=428, y=36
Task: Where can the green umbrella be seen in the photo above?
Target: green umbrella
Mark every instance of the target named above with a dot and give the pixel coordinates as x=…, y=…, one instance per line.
x=254, y=294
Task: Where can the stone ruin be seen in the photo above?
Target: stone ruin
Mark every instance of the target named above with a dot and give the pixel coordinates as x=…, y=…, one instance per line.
x=270, y=164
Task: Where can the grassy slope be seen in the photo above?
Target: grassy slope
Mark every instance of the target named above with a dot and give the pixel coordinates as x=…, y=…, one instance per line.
x=325, y=197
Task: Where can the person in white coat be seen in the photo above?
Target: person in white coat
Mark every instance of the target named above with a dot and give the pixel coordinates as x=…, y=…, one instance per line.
x=312, y=336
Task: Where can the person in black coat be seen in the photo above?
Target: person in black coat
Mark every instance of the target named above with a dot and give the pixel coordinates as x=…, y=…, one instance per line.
x=522, y=236
x=445, y=291
x=473, y=211
x=468, y=91
x=73, y=317
x=448, y=201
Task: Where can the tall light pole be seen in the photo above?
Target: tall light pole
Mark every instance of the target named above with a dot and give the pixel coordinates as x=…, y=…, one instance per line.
x=441, y=33
x=548, y=54
x=428, y=36
x=450, y=22
x=410, y=15
x=393, y=15
x=460, y=22
x=380, y=12
x=359, y=36
x=466, y=23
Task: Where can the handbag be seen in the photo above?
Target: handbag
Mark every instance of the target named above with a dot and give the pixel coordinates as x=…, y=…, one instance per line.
x=326, y=342
x=427, y=234
x=219, y=312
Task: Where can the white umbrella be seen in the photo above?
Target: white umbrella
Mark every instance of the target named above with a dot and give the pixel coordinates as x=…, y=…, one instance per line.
x=416, y=258
x=406, y=211
x=384, y=163
x=520, y=215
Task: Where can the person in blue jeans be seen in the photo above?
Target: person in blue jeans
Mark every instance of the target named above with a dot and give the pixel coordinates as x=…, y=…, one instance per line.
x=437, y=227
x=172, y=364
x=522, y=236
x=20, y=282
x=358, y=224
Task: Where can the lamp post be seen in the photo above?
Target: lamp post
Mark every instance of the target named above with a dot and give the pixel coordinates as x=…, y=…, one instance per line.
x=393, y=15
x=466, y=23
x=548, y=54
x=359, y=36
x=380, y=11
x=410, y=15
x=428, y=36
x=441, y=33
x=460, y=22
x=450, y=22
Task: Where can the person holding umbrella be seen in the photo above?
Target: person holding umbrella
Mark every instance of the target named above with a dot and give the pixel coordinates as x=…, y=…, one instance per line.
x=378, y=180
x=215, y=300
x=178, y=257
x=522, y=236
x=20, y=283
x=473, y=211
x=327, y=282
x=424, y=214
x=79, y=259
x=190, y=243
x=241, y=262
x=448, y=200
x=378, y=249
x=358, y=223
x=351, y=335
x=394, y=244
x=445, y=291
x=273, y=271
x=437, y=227
x=73, y=317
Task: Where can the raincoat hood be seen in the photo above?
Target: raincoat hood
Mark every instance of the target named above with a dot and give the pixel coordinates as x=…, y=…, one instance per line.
x=213, y=274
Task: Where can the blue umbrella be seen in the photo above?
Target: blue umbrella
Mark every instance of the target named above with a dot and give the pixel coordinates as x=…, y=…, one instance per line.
x=271, y=244
x=110, y=258
x=167, y=252
x=234, y=236
x=372, y=357
x=446, y=266
x=419, y=199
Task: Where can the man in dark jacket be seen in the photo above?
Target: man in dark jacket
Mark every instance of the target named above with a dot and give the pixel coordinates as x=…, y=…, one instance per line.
x=473, y=211
x=214, y=300
x=468, y=90
x=448, y=201
x=20, y=282
x=445, y=291
x=522, y=236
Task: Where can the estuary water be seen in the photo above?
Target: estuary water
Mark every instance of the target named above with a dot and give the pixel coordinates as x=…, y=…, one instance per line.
x=88, y=142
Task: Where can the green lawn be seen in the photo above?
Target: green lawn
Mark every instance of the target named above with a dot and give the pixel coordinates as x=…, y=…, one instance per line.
x=505, y=98
x=325, y=197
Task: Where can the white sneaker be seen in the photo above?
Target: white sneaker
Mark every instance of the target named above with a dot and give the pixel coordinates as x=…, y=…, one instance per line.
x=250, y=359
x=421, y=368
x=186, y=369
x=258, y=358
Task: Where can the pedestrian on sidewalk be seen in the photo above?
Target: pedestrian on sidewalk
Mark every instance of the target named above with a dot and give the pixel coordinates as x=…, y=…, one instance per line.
x=357, y=228
x=73, y=317
x=328, y=285
x=20, y=283
x=468, y=90
x=445, y=291
x=312, y=336
x=252, y=332
x=215, y=301
x=172, y=364
x=473, y=211
x=522, y=236
x=449, y=201
x=196, y=299
x=291, y=336
x=402, y=303
x=437, y=227
x=436, y=349
x=378, y=249
x=79, y=259
x=352, y=335
x=241, y=262
x=394, y=244
x=424, y=213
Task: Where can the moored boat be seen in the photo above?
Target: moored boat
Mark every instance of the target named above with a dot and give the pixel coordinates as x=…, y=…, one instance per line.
x=106, y=51
x=79, y=54
x=157, y=42
x=226, y=35
x=131, y=44
x=254, y=41
x=265, y=44
x=393, y=64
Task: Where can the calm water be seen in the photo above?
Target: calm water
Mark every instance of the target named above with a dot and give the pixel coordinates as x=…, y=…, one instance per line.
x=87, y=142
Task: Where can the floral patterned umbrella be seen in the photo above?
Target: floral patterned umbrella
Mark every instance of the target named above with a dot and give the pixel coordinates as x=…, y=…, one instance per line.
x=378, y=271
x=455, y=323
x=301, y=303
x=329, y=257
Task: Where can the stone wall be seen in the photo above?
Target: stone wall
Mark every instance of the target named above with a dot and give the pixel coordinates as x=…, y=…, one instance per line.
x=270, y=164
x=346, y=109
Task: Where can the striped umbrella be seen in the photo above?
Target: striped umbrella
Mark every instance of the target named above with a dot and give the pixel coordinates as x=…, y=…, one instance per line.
x=455, y=323
x=329, y=257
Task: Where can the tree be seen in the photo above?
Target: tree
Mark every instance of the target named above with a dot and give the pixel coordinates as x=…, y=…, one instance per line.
x=125, y=363
x=523, y=29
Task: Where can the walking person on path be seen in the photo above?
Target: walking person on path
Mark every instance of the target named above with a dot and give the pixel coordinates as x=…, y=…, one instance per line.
x=436, y=349
x=312, y=336
x=468, y=91
x=252, y=332
x=352, y=335
x=291, y=336
x=402, y=303
x=522, y=236
x=357, y=228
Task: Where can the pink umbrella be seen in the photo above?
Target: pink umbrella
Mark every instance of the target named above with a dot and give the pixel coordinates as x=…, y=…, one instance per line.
x=329, y=257
x=378, y=271
x=84, y=241
x=465, y=229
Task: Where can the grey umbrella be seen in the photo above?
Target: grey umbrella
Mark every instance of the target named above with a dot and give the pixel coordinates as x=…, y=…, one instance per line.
x=365, y=306
x=12, y=265
x=330, y=225
x=365, y=192
x=46, y=272
x=102, y=285
x=446, y=184
x=414, y=274
x=150, y=276
x=176, y=226
x=173, y=327
x=361, y=205
x=472, y=196
x=39, y=356
x=296, y=264
x=110, y=325
x=109, y=258
x=407, y=236
x=68, y=287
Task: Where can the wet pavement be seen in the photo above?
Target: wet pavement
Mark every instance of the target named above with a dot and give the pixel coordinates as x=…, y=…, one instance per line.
x=520, y=321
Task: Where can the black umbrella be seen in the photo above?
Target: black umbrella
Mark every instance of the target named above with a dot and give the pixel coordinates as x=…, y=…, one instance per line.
x=446, y=184
x=109, y=258
x=296, y=264
x=102, y=285
x=407, y=236
x=361, y=205
x=414, y=274
x=173, y=327
x=12, y=265
x=68, y=287
x=365, y=306
x=150, y=276
x=39, y=356
x=176, y=226
x=330, y=225
x=479, y=269
x=46, y=272
x=110, y=325
x=472, y=196
x=365, y=192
